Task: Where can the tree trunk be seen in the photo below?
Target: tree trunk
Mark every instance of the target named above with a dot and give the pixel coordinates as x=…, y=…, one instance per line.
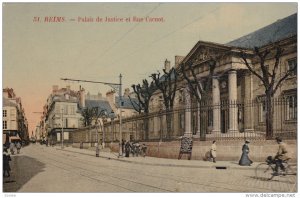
x=269, y=117
x=169, y=123
x=146, y=128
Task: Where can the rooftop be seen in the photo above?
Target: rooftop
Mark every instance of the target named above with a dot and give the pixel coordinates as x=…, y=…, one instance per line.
x=276, y=31
x=102, y=104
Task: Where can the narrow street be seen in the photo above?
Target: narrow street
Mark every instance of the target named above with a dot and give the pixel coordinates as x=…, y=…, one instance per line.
x=49, y=169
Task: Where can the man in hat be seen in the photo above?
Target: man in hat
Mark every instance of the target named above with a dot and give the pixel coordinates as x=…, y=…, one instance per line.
x=245, y=161
x=281, y=155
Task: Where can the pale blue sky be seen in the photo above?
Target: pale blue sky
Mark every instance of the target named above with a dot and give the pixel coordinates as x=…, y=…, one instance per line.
x=37, y=55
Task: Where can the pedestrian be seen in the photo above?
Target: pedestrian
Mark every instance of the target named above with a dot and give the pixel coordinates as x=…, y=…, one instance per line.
x=281, y=155
x=133, y=149
x=245, y=160
x=6, y=167
x=7, y=144
x=137, y=148
x=127, y=149
x=12, y=148
x=123, y=146
x=144, y=149
x=213, y=151
x=18, y=146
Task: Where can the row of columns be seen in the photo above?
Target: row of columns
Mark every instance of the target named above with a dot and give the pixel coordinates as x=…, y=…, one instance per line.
x=216, y=101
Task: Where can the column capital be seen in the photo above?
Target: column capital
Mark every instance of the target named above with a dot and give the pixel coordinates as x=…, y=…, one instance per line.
x=216, y=77
x=232, y=71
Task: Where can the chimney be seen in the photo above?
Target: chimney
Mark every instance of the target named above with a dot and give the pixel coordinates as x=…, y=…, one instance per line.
x=54, y=88
x=110, y=96
x=82, y=97
x=99, y=96
x=127, y=92
x=178, y=60
x=167, y=65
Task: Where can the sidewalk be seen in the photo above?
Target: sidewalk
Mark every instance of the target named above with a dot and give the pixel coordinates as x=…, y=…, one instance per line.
x=153, y=161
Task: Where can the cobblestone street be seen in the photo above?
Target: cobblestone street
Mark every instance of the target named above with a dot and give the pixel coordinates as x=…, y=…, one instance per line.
x=50, y=169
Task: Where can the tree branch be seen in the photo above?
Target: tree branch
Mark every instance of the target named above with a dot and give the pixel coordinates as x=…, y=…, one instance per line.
x=250, y=68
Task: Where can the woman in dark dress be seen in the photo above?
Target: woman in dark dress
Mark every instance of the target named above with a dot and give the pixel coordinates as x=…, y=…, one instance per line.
x=6, y=167
x=245, y=161
x=127, y=149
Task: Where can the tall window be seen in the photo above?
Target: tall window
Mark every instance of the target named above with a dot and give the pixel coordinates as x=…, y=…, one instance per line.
x=72, y=110
x=261, y=108
x=4, y=124
x=4, y=113
x=181, y=120
x=57, y=109
x=13, y=113
x=65, y=109
x=291, y=107
x=292, y=63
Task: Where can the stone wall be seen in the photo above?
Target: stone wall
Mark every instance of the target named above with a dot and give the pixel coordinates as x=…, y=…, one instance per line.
x=226, y=150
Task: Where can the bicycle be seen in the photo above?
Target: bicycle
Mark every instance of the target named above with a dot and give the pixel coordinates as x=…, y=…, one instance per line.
x=266, y=170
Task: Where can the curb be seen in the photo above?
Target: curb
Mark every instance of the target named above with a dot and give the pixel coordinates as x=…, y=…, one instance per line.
x=165, y=165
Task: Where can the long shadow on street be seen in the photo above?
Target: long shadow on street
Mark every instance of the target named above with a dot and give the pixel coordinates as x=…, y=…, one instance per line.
x=23, y=168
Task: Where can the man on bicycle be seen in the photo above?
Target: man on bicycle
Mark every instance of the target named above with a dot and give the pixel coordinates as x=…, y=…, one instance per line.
x=281, y=155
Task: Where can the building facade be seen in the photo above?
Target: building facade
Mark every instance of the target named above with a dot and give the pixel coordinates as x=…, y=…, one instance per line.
x=235, y=105
x=15, y=125
x=61, y=116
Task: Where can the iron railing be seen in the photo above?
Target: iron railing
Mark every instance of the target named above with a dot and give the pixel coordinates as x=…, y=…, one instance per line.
x=249, y=118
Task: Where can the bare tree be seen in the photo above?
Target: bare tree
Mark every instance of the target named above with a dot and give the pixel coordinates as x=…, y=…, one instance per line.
x=198, y=88
x=167, y=84
x=269, y=76
x=143, y=94
x=87, y=116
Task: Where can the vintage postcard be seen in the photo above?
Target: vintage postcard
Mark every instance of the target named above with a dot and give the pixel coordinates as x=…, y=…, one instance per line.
x=150, y=97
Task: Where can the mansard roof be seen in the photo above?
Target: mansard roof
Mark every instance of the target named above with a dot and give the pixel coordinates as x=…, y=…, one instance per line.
x=126, y=102
x=102, y=104
x=279, y=30
x=7, y=102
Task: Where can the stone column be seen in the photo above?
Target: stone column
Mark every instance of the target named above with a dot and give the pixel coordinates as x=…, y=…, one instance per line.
x=216, y=105
x=198, y=120
x=248, y=103
x=188, y=127
x=233, y=109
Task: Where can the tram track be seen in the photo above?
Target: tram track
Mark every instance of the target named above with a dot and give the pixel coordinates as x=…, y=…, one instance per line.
x=181, y=180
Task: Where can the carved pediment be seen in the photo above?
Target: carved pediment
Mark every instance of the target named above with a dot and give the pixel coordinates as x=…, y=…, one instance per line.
x=204, y=53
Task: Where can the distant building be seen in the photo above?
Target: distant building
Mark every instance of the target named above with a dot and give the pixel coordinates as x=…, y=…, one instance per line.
x=15, y=124
x=62, y=114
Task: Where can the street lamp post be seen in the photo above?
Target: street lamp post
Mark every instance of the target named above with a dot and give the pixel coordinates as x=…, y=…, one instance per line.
x=102, y=114
x=112, y=129
x=161, y=125
x=62, y=128
x=97, y=141
x=103, y=136
x=120, y=106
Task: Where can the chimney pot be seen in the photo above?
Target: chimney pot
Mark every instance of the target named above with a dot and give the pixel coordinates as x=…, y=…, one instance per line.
x=167, y=65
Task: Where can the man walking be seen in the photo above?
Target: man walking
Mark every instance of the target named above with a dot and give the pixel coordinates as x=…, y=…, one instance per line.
x=18, y=145
x=12, y=148
x=213, y=151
